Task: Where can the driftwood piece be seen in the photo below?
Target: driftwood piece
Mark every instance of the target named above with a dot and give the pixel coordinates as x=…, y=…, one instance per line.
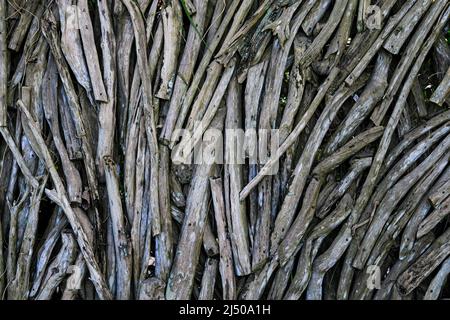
x=20, y=31
x=165, y=239
x=347, y=150
x=121, y=242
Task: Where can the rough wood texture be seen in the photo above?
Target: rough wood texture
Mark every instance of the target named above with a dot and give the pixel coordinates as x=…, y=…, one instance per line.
x=224, y=149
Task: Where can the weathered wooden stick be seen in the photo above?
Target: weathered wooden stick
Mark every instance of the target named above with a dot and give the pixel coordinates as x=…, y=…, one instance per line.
x=21, y=282
x=140, y=215
x=297, y=230
x=188, y=142
x=440, y=193
x=321, y=39
x=105, y=92
x=409, y=234
x=11, y=263
x=149, y=112
x=314, y=16
x=58, y=268
x=236, y=31
x=73, y=141
x=257, y=283
x=281, y=280
x=434, y=218
x=20, y=31
x=226, y=259
x=304, y=269
x=297, y=79
x=62, y=200
x=125, y=38
x=337, y=46
x=122, y=244
x=419, y=99
x=90, y=50
x=77, y=273
x=413, y=135
x=303, y=167
x=203, y=65
x=438, y=282
x=49, y=30
x=327, y=260
x=236, y=210
x=442, y=91
x=365, y=103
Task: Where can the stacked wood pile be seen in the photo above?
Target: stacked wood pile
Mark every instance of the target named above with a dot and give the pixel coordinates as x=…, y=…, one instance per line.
x=352, y=203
